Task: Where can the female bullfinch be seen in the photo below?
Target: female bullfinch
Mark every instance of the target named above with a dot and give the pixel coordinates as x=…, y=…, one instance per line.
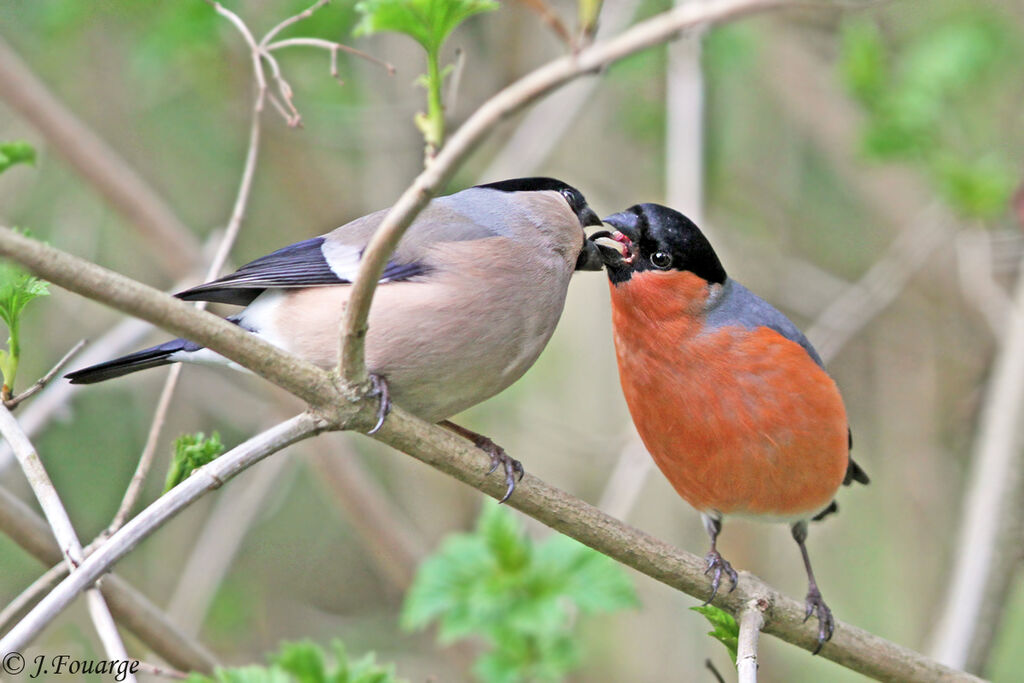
x=727, y=394
x=468, y=300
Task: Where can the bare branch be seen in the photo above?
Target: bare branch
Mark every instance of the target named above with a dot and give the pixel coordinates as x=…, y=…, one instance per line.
x=304, y=14
x=202, y=481
x=68, y=541
x=659, y=29
x=120, y=185
x=550, y=17
x=131, y=608
x=298, y=376
x=33, y=594
x=443, y=450
x=882, y=283
x=331, y=47
x=988, y=553
x=40, y=383
x=751, y=620
x=134, y=490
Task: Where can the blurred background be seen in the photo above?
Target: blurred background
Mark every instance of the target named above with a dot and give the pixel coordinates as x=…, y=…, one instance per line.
x=855, y=167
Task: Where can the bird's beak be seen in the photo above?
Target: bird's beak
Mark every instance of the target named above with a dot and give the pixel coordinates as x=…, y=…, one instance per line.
x=590, y=257
x=617, y=245
x=588, y=218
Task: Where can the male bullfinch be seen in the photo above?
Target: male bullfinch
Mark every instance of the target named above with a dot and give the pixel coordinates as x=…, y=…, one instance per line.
x=727, y=394
x=468, y=300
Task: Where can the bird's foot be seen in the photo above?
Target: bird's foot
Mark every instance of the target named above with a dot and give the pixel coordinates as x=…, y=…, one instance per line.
x=379, y=388
x=716, y=566
x=512, y=467
x=826, y=624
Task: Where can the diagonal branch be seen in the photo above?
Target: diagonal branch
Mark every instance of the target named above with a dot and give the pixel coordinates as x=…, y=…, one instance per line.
x=60, y=523
x=202, y=481
x=131, y=608
x=851, y=647
x=290, y=372
x=659, y=29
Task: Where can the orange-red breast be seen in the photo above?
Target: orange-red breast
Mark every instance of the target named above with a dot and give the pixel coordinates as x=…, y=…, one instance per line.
x=727, y=394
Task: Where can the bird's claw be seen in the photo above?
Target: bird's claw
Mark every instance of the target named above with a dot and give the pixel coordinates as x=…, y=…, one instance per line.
x=513, y=468
x=718, y=564
x=816, y=606
x=379, y=387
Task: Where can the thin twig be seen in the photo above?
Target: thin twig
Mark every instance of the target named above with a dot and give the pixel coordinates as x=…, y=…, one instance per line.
x=550, y=18
x=751, y=620
x=202, y=481
x=63, y=531
x=223, y=250
x=40, y=383
x=331, y=47
x=882, y=282
x=304, y=14
x=134, y=490
x=451, y=96
x=288, y=371
x=988, y=554
x=33, y=594
x=131, y=608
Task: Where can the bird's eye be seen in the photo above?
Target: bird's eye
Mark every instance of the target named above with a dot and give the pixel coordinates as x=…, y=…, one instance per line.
x=569, y=197
x=661, y=259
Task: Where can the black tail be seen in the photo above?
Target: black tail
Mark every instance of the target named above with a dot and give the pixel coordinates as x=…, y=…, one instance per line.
x=140, y=360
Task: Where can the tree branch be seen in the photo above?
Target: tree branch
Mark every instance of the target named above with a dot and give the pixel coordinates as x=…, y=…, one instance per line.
x=851, y=647
x=65, y=534
x=131, y=608
x=988, y=552
x=202, y=481
x=659, y=29
x=290, y=372
x=751, y=620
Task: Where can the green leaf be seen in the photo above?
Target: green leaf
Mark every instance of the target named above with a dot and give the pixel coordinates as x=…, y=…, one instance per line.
x=428, y=22
x=17, y=289
x=863, y=62
x=306, y=662
x=12, y=153
x=519, y=597
x=977, y=189
x=594, y=582
x=724, y=627
x=504, y=537
x=190, y=452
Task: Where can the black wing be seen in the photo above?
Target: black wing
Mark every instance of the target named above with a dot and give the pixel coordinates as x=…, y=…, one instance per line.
x=303, y=264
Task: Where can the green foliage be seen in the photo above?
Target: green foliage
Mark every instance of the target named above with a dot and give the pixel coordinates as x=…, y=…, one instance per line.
x=191, y=451
x=17, y=152
x=429, y=23
x=306, y=662
x=724, y=627
x=919, y=97
x=519, y=596
x=17, y=289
